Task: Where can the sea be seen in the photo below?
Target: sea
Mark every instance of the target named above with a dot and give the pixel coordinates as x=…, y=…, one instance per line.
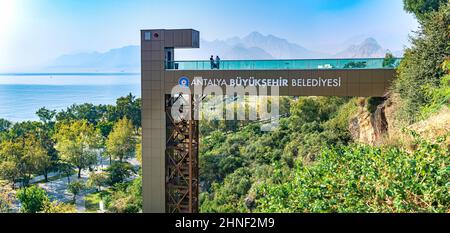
x=22, y=95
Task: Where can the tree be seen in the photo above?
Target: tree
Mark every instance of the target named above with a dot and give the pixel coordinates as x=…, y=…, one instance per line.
x=11, y=154
x=32, y=199
x=35, y=157
x=119, y=171
x=76, y=188
x=89, y=112
x=4, y=125
x=422, y=8
x=420, y=71
x=21, y=158
x=128, y=199
x=50, y=162
x=127, y=107
x=230, y=195
x=98, y=180
x=45, y=115
x=21, y=129
x=105, y=128
x=389, y=60
x=66, y=169
x=35, y=136
x=77, y=143
x=9, y=171
x=121, y=143
x=45, y=134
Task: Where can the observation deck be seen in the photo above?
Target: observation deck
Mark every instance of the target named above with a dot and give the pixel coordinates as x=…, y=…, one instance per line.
x=294, y=64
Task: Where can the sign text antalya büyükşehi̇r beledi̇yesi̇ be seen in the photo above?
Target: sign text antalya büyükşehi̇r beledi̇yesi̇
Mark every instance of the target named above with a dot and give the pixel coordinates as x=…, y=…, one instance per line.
x=264, y=82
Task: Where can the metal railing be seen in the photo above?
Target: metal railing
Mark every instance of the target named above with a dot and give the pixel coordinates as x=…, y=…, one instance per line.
x=299, y=64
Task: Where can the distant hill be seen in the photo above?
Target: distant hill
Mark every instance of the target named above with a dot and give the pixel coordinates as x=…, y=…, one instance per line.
x=224, y=50
x=125, y=59
x=253, y=46
x=275, y=46
x=369, y=48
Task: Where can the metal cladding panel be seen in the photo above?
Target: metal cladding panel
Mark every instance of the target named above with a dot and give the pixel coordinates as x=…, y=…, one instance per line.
x=153, y=123
x=183, y=38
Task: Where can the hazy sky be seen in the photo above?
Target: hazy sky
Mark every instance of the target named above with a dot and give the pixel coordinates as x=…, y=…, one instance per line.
x=33, y=32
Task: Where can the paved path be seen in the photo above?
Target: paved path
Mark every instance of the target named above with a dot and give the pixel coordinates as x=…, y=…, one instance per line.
x=80, y=204
x=57, y=189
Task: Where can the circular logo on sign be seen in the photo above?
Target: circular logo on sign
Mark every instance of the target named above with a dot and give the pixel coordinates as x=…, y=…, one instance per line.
x=184, y=81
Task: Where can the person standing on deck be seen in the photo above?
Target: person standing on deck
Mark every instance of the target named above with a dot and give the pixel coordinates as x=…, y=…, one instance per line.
x=212, y=62
x=218, y=62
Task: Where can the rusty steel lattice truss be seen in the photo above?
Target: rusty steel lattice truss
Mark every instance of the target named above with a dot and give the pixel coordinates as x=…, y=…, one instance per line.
x=182, y=142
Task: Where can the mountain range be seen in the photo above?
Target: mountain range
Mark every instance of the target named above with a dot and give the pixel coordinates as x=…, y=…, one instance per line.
x=126, y=59
x=368, y=48
x=254, y=46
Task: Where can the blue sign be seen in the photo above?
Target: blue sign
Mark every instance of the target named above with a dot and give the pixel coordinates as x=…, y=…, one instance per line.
x=184, y=81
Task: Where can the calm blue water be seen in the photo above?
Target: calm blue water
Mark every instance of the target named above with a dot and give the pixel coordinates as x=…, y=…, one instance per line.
x=22, y=95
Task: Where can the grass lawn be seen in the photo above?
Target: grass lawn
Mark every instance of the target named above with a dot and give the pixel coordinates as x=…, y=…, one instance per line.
x=92, y=201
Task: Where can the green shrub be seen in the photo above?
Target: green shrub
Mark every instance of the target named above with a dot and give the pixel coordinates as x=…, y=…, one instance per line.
x=126, y=198
x=228, y=197
x=389, y=60
x=76, y=188
x=119, y=171
x=420, y=71
x=32, y=199
x=422, y=8
x=231, y=164
x=438, y=96
x=365, y=179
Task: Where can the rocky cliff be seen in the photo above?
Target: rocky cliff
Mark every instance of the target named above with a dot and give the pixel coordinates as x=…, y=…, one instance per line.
x=370, y=127
x=381, y=126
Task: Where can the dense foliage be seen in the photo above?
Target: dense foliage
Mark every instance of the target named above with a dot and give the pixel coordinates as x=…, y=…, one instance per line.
x=33, y=199
x=76, y=138
x=420, y=72
x=121, y=142
x=75, y=188
x=231, y=164
x=363, y=179
x=311, y=164
x=126, y=198
x=5, y=201
x=77, y=143
x=422, y=8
